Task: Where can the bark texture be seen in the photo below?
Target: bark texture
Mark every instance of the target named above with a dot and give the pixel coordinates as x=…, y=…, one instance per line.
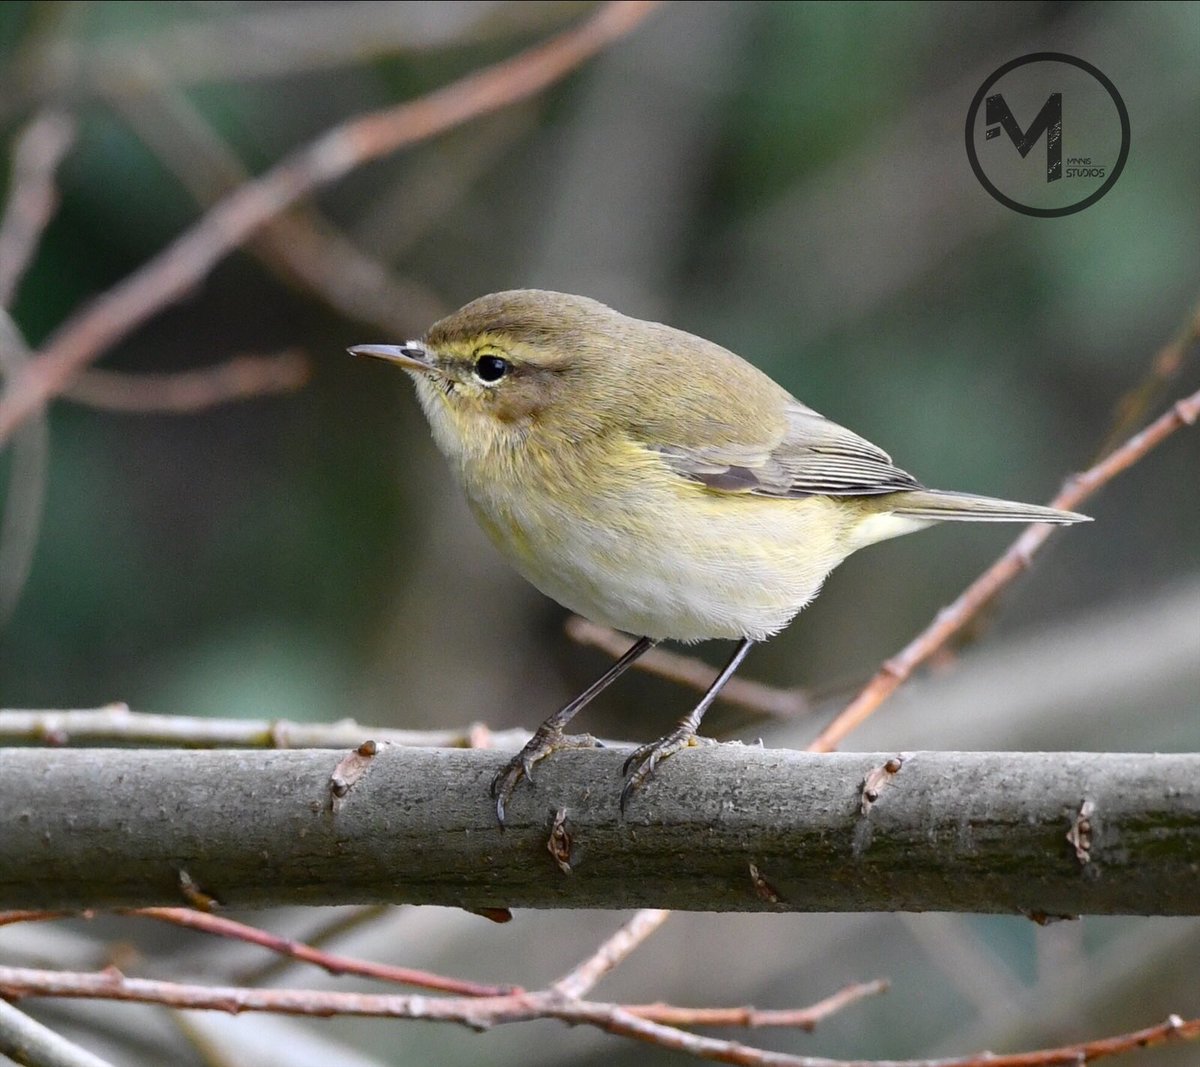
x=725, y=828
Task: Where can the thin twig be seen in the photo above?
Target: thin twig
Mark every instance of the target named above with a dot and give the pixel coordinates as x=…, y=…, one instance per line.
x=481, y=1013
x=116, y=723
x=751, y=1018
x=7, y=918
x=175, y=270
x=581, y=979
x=32, y=196
x=950, y=620
x=331, y=962
x=1168, y=361
x=692, y=672
x=303, y=246
x=340, y=923
x=248, y=45
x=182, y=392
x=25, y=500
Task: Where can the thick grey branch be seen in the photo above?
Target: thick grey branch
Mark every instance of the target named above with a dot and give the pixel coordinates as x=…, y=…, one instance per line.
x=724, y=829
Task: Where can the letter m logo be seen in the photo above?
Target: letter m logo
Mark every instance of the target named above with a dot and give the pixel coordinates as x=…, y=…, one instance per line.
x=998, y=116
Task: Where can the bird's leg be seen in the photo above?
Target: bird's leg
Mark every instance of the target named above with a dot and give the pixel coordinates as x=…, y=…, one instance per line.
x=640, y=766
x=549, y=737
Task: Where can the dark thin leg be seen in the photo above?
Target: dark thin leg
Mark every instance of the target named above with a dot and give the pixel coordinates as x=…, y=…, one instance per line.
x=640, y=766
x=549, y=737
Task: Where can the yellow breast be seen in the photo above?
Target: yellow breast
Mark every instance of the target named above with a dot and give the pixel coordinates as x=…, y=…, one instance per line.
x=608, y=531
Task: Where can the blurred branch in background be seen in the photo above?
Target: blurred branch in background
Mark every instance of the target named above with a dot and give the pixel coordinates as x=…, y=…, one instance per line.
x=32, y=197
x=1132, y=408
x=21, y=520
x=185, y=392
x=116, y=723
x=357, y=141
x=301, y=245
x=29, y=1042
x=252, y=45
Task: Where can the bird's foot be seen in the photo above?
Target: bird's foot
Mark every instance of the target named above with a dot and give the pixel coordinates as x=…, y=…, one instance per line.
x=538, y=747
x=640, y=766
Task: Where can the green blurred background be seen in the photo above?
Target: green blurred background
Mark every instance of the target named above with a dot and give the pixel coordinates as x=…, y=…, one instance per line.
x=786, y=179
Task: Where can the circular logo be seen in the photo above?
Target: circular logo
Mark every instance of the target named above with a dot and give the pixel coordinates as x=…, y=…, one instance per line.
x=1047, y=134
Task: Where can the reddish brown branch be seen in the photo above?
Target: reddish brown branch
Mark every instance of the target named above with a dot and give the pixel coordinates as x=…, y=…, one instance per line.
x=978, y=594
x=301, y=245
x=481, y=1013
x=7, y=918
x=331, y=962
x=750, y=1018
x=181, y=265
x=240, y=378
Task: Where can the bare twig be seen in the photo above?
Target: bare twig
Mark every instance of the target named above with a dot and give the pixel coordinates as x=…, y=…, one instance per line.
x=34, y=1045
x=301, y=245
x=32, y=196
x=23, y=503
x=253, y=45
x=32, y=199
x=581, y=979
x=116, y=722
x=790, y=1018
x=485, y=1012
x=181, y=392
x=342, y=922
x=331, y=962
x=185, y=262
x=692, y=672
x=7, y=918
x=1131, y=408
x=952, y=619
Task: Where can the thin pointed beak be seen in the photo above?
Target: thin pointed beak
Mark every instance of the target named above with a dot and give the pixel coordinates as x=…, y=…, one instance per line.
x=411, y=355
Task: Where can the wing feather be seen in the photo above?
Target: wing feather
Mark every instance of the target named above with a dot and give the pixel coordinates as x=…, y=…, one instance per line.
x=813, y=457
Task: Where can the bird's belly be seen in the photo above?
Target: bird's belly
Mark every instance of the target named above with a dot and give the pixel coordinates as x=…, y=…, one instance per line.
x=704, y=567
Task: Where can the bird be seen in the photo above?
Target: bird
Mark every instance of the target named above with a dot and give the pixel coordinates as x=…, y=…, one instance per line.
x=654, y=482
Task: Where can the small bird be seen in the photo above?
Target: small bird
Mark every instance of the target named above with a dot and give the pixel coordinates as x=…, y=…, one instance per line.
x=652, y=481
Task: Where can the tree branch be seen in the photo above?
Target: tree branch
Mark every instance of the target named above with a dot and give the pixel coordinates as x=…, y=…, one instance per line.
x=483, y=1013
x=31, y=1043
x=192, y=919
x=32, y=196
x=726, y=829
x=189, y=259
x=116, y=723
x=185, y=392
x=1016, y=559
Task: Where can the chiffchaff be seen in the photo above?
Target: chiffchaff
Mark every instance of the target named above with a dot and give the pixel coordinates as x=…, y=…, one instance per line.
x=654, y=482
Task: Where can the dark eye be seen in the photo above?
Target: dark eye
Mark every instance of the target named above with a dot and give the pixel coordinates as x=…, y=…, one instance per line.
x=491, y=368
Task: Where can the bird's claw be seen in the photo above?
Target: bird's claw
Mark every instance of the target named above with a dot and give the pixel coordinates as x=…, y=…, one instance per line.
x=537, y=748
x=639, y=768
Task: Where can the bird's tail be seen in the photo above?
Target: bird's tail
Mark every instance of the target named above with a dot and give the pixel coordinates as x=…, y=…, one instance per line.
x=934, y=505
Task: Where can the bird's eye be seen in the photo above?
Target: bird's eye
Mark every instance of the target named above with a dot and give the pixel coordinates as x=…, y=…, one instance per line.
x=491, y=368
